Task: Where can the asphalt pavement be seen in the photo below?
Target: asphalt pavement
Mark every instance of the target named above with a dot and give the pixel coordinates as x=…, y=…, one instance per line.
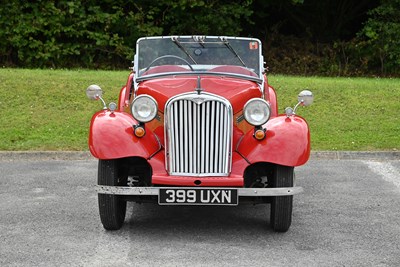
x=348, y=215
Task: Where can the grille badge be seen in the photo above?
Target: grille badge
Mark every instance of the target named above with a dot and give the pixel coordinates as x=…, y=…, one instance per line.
x=198, y=100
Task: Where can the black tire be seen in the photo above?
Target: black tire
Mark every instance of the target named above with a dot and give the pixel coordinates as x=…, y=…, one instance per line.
x=112, y=208
x=281, y=207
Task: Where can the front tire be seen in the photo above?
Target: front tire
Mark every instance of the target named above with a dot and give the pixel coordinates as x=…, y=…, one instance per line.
x=281, y=206
x=112, y=208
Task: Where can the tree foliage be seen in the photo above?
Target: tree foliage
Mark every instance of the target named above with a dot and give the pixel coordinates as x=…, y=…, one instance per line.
x=65, y=33
x=333, y=37
x=380, y=36
x=91, y=33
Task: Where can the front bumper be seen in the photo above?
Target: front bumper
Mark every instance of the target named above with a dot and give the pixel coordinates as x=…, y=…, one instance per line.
x=155, y=191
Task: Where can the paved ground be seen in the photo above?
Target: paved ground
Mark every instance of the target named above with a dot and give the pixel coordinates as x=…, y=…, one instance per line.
x=347, y=216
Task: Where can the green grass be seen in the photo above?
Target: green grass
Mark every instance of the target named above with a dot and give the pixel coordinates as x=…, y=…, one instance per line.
x=359, y=114
x=48, y=109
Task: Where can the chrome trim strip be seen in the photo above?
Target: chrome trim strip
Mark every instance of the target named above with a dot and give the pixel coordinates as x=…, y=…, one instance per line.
x=154, y=191
x=265, y=192
x=196, y=73
x=240, y=118
x=203, y=141
x=204, y=36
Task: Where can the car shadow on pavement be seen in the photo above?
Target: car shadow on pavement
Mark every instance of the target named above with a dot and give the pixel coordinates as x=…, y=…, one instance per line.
x=215, y=220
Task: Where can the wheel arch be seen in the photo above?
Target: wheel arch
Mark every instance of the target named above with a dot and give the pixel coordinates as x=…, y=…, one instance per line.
x=287, y=143
x=111, y=136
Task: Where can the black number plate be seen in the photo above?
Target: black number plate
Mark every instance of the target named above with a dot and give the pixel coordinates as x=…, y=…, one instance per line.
x=197, y=196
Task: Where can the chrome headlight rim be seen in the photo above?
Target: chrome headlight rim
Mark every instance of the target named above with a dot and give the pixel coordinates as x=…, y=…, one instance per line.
x=144, y=100
x=250, y=107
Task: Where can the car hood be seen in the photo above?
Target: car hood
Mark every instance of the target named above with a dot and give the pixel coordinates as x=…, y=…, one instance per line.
x=236, y=91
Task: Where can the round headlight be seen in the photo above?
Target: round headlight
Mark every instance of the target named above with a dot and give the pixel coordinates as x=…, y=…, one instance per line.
x=144, y=108
x=256, y=111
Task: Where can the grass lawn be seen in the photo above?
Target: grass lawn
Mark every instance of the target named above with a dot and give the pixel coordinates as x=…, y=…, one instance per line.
x=48, y=109
x=359, y=114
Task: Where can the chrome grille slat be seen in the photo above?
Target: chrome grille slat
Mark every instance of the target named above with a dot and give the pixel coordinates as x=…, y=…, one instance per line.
x=217, y=135
x=190, y=135
x=203, y=140
x=207, y=137
x=181, y=137
x=186, y=137
x=199, y=140
x=195, y=139
x=198, y=135
x=212, y=137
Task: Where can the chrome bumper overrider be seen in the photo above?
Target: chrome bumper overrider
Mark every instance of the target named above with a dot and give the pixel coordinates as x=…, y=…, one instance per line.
x=154, y=191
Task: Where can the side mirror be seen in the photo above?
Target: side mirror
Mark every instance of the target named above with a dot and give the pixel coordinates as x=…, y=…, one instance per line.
x=305, y=98
x=94, y=92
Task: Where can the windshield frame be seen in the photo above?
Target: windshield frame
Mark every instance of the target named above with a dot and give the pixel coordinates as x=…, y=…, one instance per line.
x=178, y=40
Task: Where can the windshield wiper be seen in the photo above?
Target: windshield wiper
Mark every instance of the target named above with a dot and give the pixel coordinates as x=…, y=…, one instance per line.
x=176, y=41
x=227, y=44
x=200, y=40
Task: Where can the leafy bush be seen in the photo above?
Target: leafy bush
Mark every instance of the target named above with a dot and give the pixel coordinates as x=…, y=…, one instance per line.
x=380, y=37
x=61, y=34
x=300, y=56
x=103, y=34
x=299, y=37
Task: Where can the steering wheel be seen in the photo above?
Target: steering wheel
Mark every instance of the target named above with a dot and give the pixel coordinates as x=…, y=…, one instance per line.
x=169, y=56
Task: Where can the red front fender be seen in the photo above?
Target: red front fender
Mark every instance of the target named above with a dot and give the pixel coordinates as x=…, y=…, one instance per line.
x=287, y=143
x=111, y=136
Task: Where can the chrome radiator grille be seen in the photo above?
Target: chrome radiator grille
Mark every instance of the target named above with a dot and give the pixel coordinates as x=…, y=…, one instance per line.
x=198, y=135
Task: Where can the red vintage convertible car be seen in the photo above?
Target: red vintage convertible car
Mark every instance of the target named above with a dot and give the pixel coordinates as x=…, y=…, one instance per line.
x=197, y=124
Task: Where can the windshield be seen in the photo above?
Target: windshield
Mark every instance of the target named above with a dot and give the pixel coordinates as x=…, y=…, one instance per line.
x=198, y=54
